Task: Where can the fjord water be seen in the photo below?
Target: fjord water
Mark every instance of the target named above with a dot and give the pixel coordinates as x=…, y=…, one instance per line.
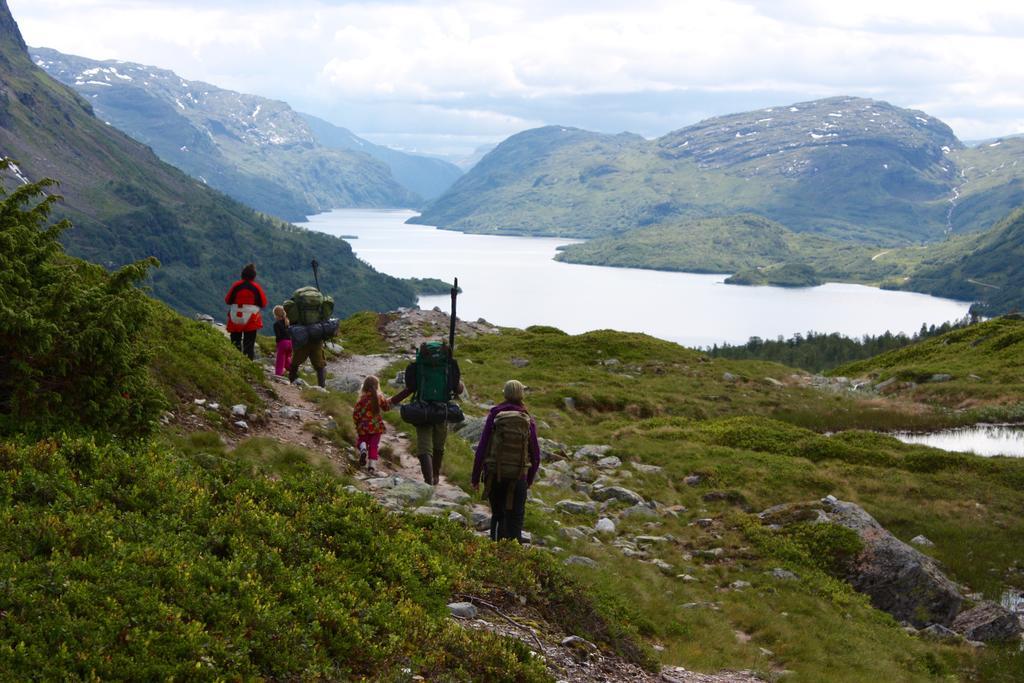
x=513, y=281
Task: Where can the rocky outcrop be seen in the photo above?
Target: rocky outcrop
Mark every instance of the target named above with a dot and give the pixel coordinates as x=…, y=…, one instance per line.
x=988, y=622
x=899, y=579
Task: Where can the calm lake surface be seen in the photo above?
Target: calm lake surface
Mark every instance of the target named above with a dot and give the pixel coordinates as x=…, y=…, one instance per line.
x=982, y=439
x=513, y=281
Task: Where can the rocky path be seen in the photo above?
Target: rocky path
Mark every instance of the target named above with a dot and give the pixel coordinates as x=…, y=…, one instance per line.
x=292, y=418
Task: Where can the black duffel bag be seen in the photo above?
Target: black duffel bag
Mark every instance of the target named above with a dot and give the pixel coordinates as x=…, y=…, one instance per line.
x=419, y=413
x=304, y=334
x=455, y=414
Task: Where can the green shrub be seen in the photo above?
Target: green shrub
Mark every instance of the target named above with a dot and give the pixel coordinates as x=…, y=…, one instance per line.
x=71, y=332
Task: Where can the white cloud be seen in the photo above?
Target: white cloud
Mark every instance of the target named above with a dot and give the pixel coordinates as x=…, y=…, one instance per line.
x=469, y=55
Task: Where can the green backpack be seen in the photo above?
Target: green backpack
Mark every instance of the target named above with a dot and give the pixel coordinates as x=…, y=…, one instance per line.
x=308, y=305
x=432, y=372
x=508, y=450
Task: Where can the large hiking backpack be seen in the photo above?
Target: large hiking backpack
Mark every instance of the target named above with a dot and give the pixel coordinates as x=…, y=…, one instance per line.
x=308, y=305
x=432, y=372
x=508, y=450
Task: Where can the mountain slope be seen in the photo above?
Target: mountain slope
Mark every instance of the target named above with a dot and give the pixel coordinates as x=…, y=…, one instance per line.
x=989, y=268
x=256, y=150
x=425, y=176
x=126, y=204
x=849, y=167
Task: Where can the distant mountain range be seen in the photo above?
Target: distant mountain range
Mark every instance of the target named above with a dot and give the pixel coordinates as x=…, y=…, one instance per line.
x=126, y=204
x=847, y=167
x=256, y=150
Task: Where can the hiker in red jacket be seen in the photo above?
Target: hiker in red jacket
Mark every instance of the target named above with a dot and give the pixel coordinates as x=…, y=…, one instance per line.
x=245, y=299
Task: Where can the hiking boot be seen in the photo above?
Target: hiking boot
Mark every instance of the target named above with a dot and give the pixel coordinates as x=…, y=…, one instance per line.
x=362, y=454
x=321, y=377
x=372, y=466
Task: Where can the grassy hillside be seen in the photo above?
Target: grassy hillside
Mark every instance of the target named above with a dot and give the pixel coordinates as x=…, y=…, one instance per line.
x=984, y=364
x=988, y=268
x=737, y=438
x=846, y=167
x=126, y=204
x=132, y=551
x=257, y=151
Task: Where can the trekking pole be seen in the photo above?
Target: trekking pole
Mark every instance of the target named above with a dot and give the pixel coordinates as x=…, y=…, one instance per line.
x=451, y=323
x=316, y=278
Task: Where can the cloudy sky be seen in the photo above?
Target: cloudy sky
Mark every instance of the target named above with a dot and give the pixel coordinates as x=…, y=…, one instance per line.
x=445, y=76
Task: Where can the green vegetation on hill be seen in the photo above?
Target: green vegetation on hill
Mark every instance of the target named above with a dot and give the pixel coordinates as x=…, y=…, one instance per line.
x=127, y=205
x=816, y=351
x=731, y=438
x=167, y=556
x=988, y=268
x=850, y=168
x=257, y=151
x=978, y=364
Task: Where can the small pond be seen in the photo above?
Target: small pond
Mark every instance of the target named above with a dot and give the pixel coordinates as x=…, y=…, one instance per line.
x=981, y=439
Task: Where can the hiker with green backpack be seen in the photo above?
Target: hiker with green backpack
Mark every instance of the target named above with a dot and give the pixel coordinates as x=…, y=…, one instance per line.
x=507, y=458
x=433, y=380
x=310, y=325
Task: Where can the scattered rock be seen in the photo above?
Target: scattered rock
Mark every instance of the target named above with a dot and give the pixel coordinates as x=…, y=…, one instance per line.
x=609, y=462
x=347, y=384
x=650, y=540
x=481, y=520
x=586, y=473
x=687, y=578
x=334, y=347
x=739, y=585
x=728, y=377
x=569, y=402
x=580, y=560
x=774, y=382
x=290, y=413
x=618, y=493
x=580, y=648
x=922, y=541
x=712, y=553
x=783, y=574
x=591, y=452
x=664, y=567
x=570, y=533
x=429, y=511
x=519, y=362
x=408, y=492
x=551, y=450
x=693, y=479
x=577, y=507
x=463, y=610
x=454, y=516
x=940, y=377
x=939, y=633
x=242, y=424
x=605, y=526
x=645, y=469
x=471, y=429
x=213, y=406
x=704, y=522
x=200, y=401
x=205, y=318
x=988, y=622
x=639, y=510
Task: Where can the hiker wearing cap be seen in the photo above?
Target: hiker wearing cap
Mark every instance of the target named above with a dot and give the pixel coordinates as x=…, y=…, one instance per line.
x=507, y=458
x=245, y=300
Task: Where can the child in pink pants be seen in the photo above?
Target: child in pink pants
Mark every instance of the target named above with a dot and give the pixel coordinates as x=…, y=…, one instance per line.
x=284, y=341
x=368, y=416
